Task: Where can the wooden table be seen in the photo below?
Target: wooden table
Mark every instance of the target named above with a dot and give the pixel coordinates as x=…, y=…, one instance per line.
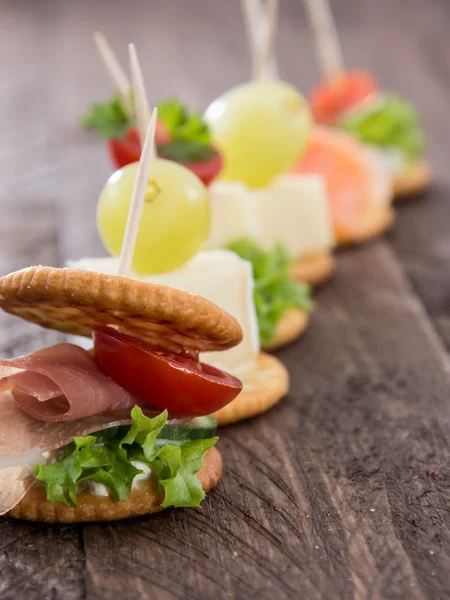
x=343, y=490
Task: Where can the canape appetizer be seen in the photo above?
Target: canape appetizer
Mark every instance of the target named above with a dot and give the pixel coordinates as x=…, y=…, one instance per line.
x=261, y=128
x=174, y=224
x=180, y=136
x=353, y=101
x=108, y=434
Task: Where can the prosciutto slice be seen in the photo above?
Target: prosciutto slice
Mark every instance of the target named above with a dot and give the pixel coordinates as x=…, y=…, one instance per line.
x=62, y=383
x=23, y=440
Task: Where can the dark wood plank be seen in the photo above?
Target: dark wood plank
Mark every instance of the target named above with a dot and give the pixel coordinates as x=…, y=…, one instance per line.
x=341, y=491
x=36, y=561
x=421, y=238
x=330, y=495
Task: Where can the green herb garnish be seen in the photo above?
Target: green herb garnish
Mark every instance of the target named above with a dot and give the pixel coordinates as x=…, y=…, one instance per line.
x=108, y=118
x=391, y=124
x=190, y=135
x=185, y=151
x=106, y=459
x=275, y=292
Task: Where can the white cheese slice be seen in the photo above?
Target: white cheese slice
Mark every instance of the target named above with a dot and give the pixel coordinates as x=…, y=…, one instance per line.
x=217, y=275
x=294, y=211
x=232, y=215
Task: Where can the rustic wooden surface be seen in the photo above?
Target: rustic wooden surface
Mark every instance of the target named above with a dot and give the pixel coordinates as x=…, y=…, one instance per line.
x=342, y=492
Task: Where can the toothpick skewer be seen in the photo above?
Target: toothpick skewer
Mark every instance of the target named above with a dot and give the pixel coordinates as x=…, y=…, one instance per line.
x=327, y=40
x=252, y=11
x=141, y=106
x=138, y=199
x=115, y=71
x=260, y=18
x=268, y=27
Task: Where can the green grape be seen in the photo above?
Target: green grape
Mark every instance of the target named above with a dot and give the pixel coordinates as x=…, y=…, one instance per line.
x=261, y=129
x=175, y=217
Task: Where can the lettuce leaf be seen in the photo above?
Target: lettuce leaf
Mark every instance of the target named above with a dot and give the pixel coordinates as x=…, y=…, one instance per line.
x=275, y=292
x=106, y=458
x=108, y=118
x=391, y=123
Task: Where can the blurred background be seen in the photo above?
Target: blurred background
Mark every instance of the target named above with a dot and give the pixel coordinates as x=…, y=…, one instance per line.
x=52, y=170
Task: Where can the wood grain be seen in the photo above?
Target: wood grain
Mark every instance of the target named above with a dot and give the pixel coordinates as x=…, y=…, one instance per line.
x=342, y=491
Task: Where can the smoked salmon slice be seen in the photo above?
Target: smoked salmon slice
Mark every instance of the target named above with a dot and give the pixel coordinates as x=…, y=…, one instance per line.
x=358, y=189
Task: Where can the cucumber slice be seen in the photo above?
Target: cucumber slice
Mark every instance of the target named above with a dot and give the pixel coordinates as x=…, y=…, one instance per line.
x=199, y=428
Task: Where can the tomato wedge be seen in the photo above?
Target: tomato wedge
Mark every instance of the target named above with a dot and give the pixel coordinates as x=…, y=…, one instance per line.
x=123, y=151
x=206, y=170
x=164, y=379
x=331, y=99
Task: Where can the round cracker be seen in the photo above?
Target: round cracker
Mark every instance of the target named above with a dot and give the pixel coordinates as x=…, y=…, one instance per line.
x=264, y=386
x=142, y=501
x=288, y=329
x=313, y=269
x=75, y=301
x=412, y=180
x=378, y=222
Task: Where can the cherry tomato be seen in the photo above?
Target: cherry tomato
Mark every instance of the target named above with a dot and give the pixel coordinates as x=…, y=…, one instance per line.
x=331, y=99
x=206, y=170
x=164, y=379
x=124, y=151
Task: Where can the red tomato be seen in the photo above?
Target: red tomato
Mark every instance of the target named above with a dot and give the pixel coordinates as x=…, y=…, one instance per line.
x=331, y=99
x=206, y=170
x=164, y=379
x=124, y=151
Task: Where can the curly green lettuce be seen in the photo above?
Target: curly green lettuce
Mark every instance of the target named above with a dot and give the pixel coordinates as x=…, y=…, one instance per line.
x=109, y=118
x=391, y=124
x=275, y=292
x=106, y=457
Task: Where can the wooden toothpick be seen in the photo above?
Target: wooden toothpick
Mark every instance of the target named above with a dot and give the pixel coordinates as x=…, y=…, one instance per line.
x=141, y=106
x=138, y=199
x=252, y=9
x=327, y=40
x=260, y=18
x=268, y=28
x=115, y=71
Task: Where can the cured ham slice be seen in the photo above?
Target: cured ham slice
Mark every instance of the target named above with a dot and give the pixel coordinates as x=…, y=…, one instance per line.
x=23, y=440
x=62, y=383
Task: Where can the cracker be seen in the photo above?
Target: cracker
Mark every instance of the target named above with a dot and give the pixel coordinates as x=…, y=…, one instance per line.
x=75, y=301
x=288, y=329
x=378, y=222
x=264, y=386
x=143, y=500
x=412, y=180
x=313, y=269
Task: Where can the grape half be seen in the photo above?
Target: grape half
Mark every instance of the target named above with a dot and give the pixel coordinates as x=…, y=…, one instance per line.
x=175, y=218
x=261, y=129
